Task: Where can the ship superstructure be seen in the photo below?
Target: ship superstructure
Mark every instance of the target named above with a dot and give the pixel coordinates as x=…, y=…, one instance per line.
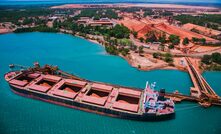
x=155, y=102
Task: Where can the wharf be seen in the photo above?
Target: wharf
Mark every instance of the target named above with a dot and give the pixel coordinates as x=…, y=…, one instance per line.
x=201, y=92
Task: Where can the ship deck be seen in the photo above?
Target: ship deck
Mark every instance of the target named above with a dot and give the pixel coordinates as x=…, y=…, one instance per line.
x=91, y=93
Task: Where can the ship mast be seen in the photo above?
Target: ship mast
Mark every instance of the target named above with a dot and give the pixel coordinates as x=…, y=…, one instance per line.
x=144, y=95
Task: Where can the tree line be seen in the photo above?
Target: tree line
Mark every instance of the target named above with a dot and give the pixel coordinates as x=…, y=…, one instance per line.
x=212, y=62
x=97, y=14
x=210, y=20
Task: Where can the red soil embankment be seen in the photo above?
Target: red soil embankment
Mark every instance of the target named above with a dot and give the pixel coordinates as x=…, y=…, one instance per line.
x=205, y=30
x=132, y=24
x=181, y=32
x=145, y=25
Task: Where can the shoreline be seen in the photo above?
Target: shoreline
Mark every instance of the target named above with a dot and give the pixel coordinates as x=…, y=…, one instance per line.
x=129, y=61
x=167, y=67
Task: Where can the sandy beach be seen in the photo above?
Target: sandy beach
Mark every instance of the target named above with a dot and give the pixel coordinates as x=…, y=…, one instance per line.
x=4, y=30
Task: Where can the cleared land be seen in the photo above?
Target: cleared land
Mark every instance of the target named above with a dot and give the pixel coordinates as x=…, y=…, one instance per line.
x=145, y=25
x=201, y=29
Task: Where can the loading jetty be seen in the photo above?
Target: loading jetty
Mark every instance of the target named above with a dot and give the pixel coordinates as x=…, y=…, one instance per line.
x=202, y=92
x=50, y=84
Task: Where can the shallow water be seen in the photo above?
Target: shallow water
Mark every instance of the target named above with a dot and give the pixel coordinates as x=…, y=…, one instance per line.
x=19, y=115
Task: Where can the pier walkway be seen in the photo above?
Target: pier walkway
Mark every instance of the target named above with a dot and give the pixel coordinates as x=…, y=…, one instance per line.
x=201, y=92
x=201, y=88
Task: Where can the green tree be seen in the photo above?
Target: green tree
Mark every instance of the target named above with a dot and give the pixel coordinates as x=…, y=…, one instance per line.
x=162, y=38
x=203, y=40
x=151, y=36
x=207, y=59
x=120, y=31
x=140, y=49
x=166, y=13
x=125, y=51
x=28, y=21
x=96, y=17
x=175, y=40
x=216, y=57
x=134, y=34
x=194, y=39
x=211, y=20
x=168, y=58
x=171, y=46
x=141, y=39
x=111, y=49
x=148, y=12
x=38, y=28
x=195, y=30
x=139, y=66
x=185, y=41
x=156, y=55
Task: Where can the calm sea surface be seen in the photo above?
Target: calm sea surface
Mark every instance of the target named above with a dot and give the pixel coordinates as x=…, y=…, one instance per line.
x=214, y=3
x=19, y=115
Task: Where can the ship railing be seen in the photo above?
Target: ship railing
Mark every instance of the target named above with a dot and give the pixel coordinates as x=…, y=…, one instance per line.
x=20, y=67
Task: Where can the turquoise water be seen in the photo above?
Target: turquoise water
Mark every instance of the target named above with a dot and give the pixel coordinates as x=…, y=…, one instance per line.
x=213, y=78
x=19, y=115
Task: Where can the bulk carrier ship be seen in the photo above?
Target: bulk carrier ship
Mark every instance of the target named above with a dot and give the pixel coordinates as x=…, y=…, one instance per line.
x=52, y=85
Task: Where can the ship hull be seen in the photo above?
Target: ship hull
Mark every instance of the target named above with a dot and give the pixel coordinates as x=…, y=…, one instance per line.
x=90, y=108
